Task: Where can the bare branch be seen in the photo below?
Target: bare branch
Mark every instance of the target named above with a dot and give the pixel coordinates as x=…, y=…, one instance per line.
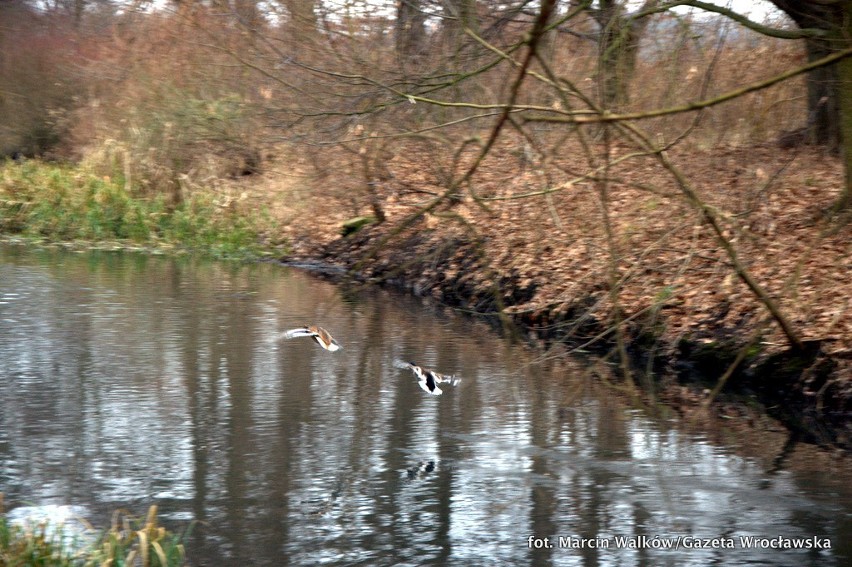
x=739, y=18
x=585, y=118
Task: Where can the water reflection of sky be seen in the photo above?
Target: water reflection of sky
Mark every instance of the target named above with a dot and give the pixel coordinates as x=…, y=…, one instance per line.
x=129, y=380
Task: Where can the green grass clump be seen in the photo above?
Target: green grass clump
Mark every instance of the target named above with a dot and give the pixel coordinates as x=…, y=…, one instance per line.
x=126, y=543
x=31, y=547
x=62, y=203
x=147, y=544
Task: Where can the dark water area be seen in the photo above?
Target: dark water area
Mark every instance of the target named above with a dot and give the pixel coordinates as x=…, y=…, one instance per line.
x=128, y=380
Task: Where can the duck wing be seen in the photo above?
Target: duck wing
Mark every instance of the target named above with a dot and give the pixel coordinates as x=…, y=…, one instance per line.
x=300, y=332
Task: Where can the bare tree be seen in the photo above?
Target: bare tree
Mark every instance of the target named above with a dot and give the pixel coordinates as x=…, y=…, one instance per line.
x=458, y=16
x=823, y=83
x=829, y=120
x=826, y=27
x=303, y=17
x=618, y=46
x=410, y=29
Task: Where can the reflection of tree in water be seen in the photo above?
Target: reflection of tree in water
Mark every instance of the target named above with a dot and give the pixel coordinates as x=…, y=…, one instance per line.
x=283, y=448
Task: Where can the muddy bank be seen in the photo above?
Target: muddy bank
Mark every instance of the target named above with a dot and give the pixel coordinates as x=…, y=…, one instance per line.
x=808, y=392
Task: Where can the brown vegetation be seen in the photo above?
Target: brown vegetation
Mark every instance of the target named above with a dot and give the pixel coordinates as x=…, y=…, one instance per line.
x=684, y=309
x=633, y=183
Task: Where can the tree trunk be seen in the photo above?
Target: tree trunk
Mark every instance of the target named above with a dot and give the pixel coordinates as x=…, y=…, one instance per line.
x=823, y=126
x=829, y=88
x=410, y=29
x=459, y=14
x=79, y=8
x=618, y=47
x=247, y=12
x=844, y=88
x=303, y=18
x=823, y=120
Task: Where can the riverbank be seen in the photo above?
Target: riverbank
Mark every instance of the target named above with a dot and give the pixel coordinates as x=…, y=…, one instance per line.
x=686, y=319
x=808, y=393
x=659, y=291
x=48, y=203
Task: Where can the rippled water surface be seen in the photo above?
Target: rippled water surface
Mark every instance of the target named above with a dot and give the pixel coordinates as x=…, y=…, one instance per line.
x=128, y=380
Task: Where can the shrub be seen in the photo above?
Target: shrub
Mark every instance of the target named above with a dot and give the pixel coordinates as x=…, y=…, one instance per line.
x=61, y=203
x=128, y=541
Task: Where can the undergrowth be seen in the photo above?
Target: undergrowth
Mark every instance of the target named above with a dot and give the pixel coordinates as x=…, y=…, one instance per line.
x=60, y=203
x=128, y=542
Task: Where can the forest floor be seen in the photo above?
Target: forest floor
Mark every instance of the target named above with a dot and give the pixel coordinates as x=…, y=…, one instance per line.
x=564, y=280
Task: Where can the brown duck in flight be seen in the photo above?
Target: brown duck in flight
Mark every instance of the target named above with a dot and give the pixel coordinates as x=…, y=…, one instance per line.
x=320, y=335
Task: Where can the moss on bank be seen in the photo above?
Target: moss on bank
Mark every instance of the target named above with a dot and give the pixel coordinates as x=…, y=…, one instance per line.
x=58, y=203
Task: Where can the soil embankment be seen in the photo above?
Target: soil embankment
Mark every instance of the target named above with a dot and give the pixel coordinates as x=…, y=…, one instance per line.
x=549, y=267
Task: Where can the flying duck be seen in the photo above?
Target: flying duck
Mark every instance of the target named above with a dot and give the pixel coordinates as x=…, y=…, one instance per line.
x=320, y=335
x=428, y=379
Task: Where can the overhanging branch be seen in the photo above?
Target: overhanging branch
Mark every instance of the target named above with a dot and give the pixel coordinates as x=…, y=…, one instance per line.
x=692, y=106
x=740, y=19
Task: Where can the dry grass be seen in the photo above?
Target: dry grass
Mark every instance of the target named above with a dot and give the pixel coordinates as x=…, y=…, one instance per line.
x=128, y=541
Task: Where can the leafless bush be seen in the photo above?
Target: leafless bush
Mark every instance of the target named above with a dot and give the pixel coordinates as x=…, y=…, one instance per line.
x=38, y=84
x=163, y=114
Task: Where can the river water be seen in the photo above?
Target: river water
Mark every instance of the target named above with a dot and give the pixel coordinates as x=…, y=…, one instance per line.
x=128, y=380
